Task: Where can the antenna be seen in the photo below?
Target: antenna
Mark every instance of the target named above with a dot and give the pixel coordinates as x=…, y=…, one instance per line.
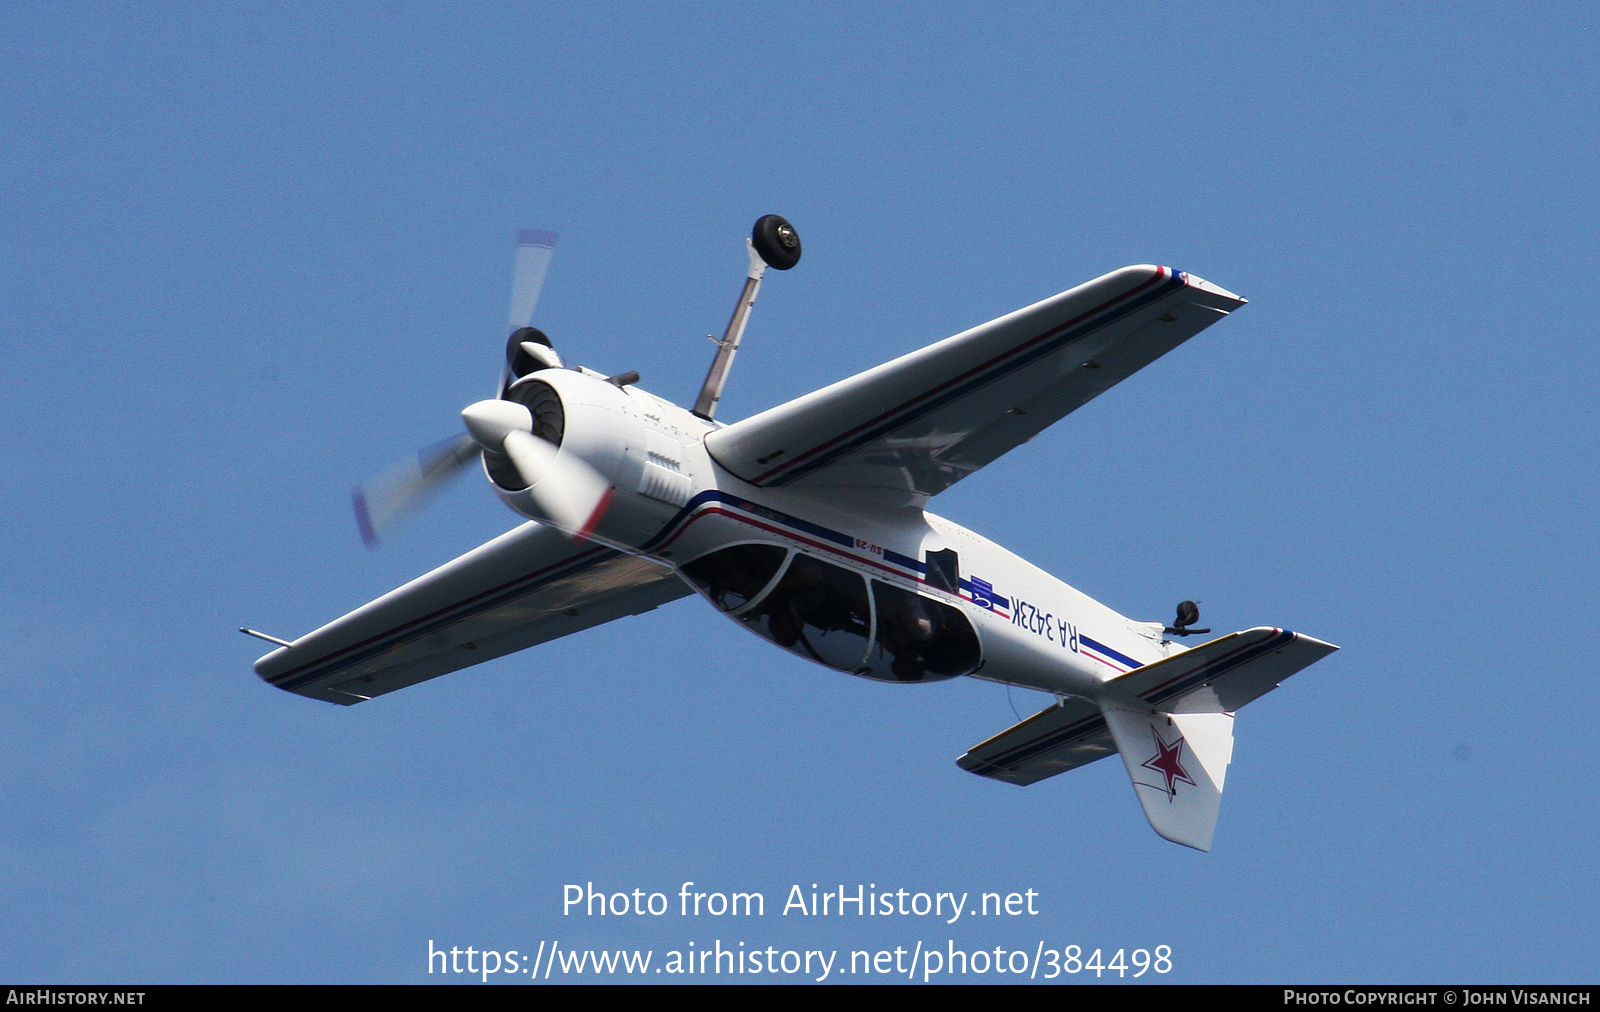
x=264, y=636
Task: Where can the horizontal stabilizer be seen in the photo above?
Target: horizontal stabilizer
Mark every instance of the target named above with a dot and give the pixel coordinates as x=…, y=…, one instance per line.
x=1056, y=739
x=1177, y=763
x=1224, y=674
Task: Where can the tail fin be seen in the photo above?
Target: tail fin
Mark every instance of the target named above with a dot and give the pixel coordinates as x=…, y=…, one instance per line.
x=1177, y=762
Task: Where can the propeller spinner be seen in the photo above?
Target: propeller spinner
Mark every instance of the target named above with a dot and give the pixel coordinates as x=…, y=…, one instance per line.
x=570, y=492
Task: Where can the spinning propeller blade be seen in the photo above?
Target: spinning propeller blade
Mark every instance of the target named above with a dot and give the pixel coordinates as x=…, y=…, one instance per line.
x=383, y=501
x=568, y=491
x=535, y=248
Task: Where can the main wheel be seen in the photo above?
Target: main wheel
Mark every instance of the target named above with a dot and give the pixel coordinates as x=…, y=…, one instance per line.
x=777, y=242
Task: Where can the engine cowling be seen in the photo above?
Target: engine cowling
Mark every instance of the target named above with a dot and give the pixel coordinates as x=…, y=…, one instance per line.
x=620, y=433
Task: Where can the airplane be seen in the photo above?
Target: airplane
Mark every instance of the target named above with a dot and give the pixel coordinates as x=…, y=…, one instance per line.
x=807, y=525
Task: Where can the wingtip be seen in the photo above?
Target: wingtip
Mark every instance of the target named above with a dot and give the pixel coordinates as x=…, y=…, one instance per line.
x=1206, y=286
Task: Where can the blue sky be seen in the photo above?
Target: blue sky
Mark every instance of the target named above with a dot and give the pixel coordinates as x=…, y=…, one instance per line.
x=249, y=257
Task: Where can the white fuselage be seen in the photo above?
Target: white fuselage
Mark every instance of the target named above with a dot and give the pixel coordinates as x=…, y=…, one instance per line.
x=675, y=504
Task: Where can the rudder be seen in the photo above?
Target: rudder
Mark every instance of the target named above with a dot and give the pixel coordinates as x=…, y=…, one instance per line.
x=1178, y=763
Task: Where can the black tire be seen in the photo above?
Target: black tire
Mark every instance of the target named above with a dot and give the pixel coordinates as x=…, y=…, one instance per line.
x=776, y=242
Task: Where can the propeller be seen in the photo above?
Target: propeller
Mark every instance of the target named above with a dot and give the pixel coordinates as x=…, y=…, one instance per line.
x=385, y=500
x=528, y=348
x=535, y=249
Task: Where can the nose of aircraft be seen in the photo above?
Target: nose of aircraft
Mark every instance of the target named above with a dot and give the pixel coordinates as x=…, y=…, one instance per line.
x=491, y=421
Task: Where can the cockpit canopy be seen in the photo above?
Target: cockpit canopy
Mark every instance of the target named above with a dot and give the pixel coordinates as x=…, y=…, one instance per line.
x=828, y=614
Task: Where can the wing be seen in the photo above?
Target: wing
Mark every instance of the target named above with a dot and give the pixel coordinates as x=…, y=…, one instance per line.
x=910, y=428
x=525, y=587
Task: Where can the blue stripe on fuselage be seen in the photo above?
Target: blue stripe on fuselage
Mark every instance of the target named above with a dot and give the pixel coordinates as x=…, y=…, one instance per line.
x=1121, y=658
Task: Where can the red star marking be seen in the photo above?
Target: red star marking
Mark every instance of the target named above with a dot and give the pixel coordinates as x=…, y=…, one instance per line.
x=1166, y=762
